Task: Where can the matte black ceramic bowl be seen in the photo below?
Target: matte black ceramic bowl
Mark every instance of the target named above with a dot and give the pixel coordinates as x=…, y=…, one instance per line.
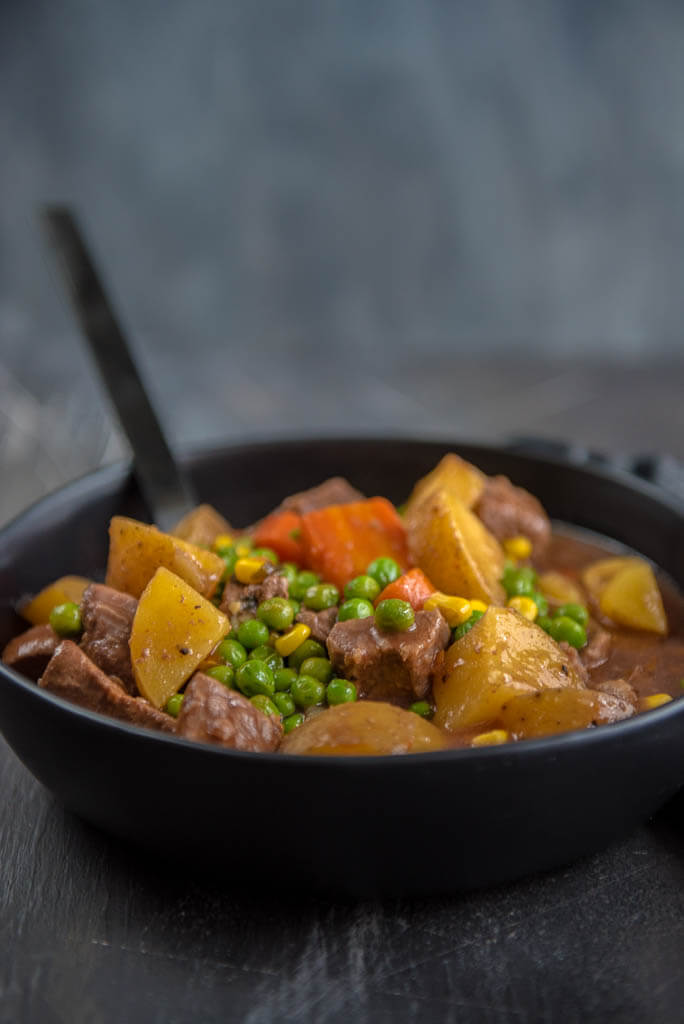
x=420, y=823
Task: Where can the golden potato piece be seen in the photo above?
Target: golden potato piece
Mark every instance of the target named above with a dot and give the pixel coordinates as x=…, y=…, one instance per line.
x=598, y=574
x=174, y=629
x=201, y=526
x=558, y=588
x=546, y=712
x=454, y=475
x=501, y=657
x=137, y=550
x=364, y=727
x=632, y=598
x=66, y=588
x=452, y=547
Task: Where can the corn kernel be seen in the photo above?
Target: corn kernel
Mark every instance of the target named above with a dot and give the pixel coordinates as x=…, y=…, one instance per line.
x=250, y=570
x=243, y=548
x=477, y=605
x=490, y=739
x=525, y=606
x=223, y=540
x=290, y=641
x=454, y=609
x=655, y=700
x=518, y=547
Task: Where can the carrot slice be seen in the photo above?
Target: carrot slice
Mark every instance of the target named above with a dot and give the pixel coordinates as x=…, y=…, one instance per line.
x=282, y=531
x=413, y=586
x=340, y=541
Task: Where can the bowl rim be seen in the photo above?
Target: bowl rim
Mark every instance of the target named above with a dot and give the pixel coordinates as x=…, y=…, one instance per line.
x=122, y=470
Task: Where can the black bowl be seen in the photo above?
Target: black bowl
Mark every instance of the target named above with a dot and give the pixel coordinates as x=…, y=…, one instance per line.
x=422, y=823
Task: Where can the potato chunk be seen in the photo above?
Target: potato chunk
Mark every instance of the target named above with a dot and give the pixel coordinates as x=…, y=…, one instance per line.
x=202, y=525
x=137, y=550
x=452, y=474
x=501, y=657
x=546, y=712
x=627, y=591
x=174, y=629
x=365, y=727
x=452, y=547
x=558, y=588
x=66, y=588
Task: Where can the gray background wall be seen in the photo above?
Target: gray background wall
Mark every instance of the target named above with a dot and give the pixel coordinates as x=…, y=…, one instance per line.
x=322, y=215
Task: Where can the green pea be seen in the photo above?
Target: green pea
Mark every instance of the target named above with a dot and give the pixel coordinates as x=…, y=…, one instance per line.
x=465, y=627
x=301, y=584
x=574, y=611
x=284, y=678
x=319, y=668
x=277, y=613
x=224, y=673
x=261, y=652
x=174, y=704
x=394, y=614
x=307, y=649
x=544, y=622
x=252, y=633
x=268, y=553
x=65, y=619
x=307, y=691
x=355, y=608
x=264, y=704
x=362, y=586
x=232, y=652
x=340, y=691
x=255, y=677
x=289, y=570
x=321, y=596
x=563, y=628
x=541, y=603
x=295, y=606
x=293, y=722
x=422, y=708
x=384, y=571
x=230, y=557
x=519, y=582
x=285, y=704
x=269, y=657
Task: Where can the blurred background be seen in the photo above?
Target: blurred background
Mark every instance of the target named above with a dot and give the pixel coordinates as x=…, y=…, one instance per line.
x=369, y=216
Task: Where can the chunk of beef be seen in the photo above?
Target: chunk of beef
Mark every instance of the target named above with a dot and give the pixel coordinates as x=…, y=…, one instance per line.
x=107, y=617
x=335, y=491
x=72, y=675
x=394, y=666
x=597, y=649
x=509, y=511
x=619, y=688
x=240, y=601
x=30, y=652
x=320, y=623
x=574, y=661
x=212, y=713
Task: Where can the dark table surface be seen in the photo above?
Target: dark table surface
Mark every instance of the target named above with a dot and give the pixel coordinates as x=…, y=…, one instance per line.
x=91, y=930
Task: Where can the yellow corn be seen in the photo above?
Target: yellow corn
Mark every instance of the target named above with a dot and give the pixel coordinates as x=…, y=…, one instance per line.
x=223, y=540
x=655, y=700
x=454, y=609
x=490, y=739
x=250, y=570
x=290, y=641
x=518, y=547
x=525, y=606
x=243, y=548
x=477, y=605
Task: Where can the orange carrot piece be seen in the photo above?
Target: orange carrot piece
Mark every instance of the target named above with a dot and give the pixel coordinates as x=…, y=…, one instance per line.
x=340, y=541
x=413, y=586
x=282, y=531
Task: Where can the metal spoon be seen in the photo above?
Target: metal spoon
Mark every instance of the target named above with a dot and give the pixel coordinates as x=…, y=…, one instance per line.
x=166, y=489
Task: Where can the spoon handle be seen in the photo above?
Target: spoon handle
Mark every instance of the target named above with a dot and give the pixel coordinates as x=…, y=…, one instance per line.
x=166, y=490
